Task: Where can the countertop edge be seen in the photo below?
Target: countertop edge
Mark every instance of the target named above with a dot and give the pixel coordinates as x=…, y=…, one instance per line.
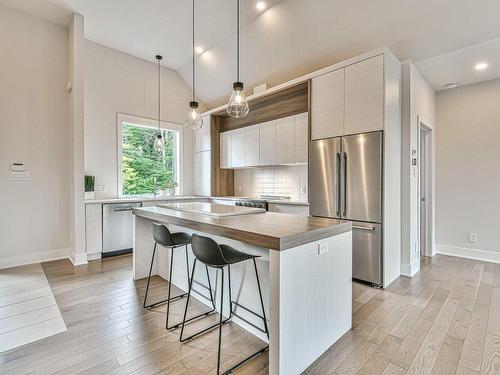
x=262, y=240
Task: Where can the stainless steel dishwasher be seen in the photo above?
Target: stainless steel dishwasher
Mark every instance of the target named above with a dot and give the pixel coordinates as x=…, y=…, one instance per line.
x=117, y=228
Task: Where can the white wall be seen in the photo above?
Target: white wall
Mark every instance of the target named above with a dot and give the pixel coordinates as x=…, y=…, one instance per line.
x=34, y=218
x=468, y=170
x=286, y=180
x=119, y=83
x=418, y=102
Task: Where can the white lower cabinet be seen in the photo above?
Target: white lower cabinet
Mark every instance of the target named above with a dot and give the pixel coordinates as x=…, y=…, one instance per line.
x=93, y=230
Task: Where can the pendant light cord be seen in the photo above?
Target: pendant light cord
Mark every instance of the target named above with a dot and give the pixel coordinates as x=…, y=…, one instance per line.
x=238, y=40
x=159, y=95
x=193, y=55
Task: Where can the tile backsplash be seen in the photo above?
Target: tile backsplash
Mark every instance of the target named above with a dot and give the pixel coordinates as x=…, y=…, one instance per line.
x=286, y=180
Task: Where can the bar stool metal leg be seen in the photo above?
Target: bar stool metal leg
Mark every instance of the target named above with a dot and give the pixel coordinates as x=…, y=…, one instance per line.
x=168, y=299
x=184, y=320
x=190, y=282
x=220, y=320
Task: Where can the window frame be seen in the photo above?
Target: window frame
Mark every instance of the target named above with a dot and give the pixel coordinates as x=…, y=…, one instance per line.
x=150, y=123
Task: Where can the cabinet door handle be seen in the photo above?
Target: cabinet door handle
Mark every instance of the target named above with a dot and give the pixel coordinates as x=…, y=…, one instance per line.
x=339, y=199
x=119, y=209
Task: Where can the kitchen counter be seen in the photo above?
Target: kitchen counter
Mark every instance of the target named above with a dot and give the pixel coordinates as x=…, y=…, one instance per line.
x=271, y=230
x=162, y=198
x=304, y=265
x=290, y=202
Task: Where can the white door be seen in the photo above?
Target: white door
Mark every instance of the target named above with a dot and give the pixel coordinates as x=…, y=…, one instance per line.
x=237, y=148
x=327, y=105
x=364, y=96
x=202, y=136
x=285, y=140
x=252, y=146
x=267, y=143
x=301, y=137
x=201, y=173
x=225, y=150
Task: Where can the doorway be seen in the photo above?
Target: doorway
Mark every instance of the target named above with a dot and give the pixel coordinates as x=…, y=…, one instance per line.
x=425, y=189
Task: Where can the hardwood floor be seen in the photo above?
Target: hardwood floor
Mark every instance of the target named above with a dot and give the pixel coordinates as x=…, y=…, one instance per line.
x=445, y=320
x=28, y=310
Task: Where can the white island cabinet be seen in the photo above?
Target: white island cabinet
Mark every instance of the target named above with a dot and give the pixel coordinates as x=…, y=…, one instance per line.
x=305, y=268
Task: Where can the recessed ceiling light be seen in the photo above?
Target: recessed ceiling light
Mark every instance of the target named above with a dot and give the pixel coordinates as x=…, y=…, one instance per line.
x=451, y=85
x=481, y=66
x=198, y=49
x=260, y=5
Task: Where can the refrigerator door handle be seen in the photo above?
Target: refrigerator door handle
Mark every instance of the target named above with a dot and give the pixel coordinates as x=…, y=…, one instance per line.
x=344, y=208
x=370, y=228
x=339, y=198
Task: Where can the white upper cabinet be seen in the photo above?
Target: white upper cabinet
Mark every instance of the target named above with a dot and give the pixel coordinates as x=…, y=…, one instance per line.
x=327, y=105
x=237, y=148
x=268, y=143
x=225, y=150
x=285, y=140
x=301, y=138
x=364, y=96
x=202, y=181
x=202, y=136
x=252, y=146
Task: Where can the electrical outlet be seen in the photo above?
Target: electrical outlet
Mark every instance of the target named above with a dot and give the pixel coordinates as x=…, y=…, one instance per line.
x=472, y=237
x=302, y=189
x=322, y=248
x=239, y=189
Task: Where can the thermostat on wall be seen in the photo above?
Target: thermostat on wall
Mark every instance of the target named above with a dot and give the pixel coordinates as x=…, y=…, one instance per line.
x=17, y=167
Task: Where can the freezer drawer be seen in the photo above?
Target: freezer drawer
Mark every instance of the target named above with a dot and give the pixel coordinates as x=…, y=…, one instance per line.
x=117, y=227
x=367, y=252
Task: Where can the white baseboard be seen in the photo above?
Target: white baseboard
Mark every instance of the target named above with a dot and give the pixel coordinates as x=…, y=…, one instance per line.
x=77, y=259
x=410, y=269
x=464, y=252
x=37, y=257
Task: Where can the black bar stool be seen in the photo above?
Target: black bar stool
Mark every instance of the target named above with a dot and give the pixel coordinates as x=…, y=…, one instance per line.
x=207, y=251
x=162, y=236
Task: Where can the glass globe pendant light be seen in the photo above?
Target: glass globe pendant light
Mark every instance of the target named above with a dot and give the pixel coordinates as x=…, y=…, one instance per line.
x=237, y=106
x=193, y=119
x=159, y=144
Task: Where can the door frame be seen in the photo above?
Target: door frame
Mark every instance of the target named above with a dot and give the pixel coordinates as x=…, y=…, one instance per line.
x=426, y=170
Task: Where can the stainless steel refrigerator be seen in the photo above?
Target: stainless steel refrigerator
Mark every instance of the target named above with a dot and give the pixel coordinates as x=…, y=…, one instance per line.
x=345, y=182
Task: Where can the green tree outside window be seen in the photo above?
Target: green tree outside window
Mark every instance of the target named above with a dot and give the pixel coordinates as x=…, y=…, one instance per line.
x=142, y=163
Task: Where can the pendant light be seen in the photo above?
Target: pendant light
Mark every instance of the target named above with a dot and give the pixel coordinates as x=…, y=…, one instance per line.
x=193, y=119
x=159, y=141
x=237, y=105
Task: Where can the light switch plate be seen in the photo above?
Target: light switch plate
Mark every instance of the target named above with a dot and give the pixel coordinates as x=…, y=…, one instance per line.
x=322, y=248
x=101, y=188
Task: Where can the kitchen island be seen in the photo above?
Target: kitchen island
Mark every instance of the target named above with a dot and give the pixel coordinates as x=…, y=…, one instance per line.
x=305, y=270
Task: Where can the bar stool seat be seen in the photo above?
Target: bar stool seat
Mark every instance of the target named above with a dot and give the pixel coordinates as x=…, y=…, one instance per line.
x=181, y=238
x=164, y=237
x=208, y=252
x=233, y=256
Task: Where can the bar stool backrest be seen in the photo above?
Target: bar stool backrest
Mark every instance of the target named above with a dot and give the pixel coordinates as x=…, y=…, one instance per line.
x=207, y=251
x=162, y=235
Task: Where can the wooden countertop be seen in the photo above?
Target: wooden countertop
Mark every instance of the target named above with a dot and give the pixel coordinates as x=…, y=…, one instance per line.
x=270, y=230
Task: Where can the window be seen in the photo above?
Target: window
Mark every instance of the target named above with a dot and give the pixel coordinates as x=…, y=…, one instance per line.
x=139, y=164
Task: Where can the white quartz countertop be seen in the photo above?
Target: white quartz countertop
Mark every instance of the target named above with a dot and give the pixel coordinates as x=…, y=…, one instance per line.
x=180, y=198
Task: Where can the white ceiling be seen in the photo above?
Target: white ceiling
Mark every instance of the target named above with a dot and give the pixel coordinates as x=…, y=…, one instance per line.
x=458, y=66
x=290, y=38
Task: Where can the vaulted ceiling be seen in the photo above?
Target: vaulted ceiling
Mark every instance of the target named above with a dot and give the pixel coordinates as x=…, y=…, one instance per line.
x=286, y=39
